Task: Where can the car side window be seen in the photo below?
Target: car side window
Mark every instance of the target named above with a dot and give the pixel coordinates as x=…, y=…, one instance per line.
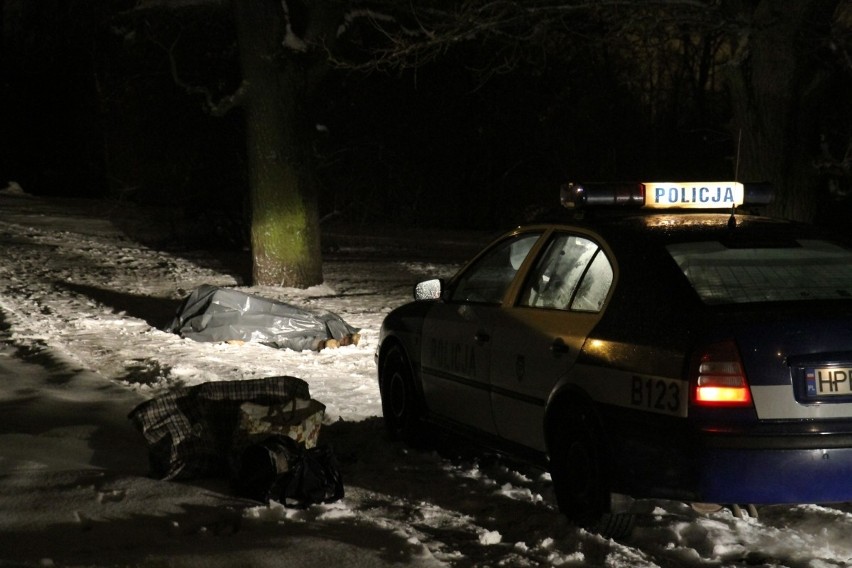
x=488, y=279
x=594, y=286
x=573, y=273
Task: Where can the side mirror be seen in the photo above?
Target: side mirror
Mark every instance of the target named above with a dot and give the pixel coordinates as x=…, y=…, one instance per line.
x=428, y=290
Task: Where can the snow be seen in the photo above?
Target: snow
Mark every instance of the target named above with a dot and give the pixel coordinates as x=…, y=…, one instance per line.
x=81, y=307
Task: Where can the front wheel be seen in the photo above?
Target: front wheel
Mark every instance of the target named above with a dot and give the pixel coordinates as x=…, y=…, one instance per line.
x=400, y=407
x=580, y=477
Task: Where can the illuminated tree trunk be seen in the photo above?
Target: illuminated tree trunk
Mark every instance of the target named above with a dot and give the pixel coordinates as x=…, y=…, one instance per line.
x=285, y=235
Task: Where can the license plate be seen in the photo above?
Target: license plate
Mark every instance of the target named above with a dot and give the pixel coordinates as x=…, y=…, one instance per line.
x=828, y=381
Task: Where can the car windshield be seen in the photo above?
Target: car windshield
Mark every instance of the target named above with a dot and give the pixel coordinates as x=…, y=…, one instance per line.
x=805, y=270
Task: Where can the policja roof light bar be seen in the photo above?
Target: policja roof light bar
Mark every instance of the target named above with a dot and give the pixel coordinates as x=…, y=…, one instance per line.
x=724, y=195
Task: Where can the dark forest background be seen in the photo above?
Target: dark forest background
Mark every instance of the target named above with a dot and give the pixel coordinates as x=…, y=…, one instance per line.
x=97, y=102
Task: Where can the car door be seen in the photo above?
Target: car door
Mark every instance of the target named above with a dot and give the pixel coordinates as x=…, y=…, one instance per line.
x=456, y=341
x=537, y=339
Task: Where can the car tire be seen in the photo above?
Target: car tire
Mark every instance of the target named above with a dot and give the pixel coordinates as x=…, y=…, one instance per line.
x=400, y=404
x=578, y=467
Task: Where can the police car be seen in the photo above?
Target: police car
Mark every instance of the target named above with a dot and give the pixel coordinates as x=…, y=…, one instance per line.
x=660, y=342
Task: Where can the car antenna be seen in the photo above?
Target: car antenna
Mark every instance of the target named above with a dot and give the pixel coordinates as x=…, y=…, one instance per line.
x=732, y=220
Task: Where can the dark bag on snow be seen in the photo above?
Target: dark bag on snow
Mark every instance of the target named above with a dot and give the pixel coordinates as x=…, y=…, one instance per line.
x=200, y=431
x=282, y=470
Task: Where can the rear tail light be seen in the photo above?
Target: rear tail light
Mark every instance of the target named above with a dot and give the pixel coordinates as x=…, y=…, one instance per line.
x=718, y=378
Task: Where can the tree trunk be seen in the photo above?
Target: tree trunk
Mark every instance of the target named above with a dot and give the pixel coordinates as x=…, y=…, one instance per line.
x=773, y=92
x=285, y=235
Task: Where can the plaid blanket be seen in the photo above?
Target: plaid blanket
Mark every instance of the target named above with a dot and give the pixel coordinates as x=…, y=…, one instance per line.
x=200, y=431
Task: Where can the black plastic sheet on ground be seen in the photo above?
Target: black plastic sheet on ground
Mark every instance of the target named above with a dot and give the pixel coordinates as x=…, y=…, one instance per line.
x=218, y=314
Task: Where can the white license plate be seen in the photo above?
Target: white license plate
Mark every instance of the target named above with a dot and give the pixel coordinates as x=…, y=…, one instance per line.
x=828, y=381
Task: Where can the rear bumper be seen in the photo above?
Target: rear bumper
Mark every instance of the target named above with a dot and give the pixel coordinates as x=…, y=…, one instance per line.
x=773, y=466
x=774, y=476
x=730, y=461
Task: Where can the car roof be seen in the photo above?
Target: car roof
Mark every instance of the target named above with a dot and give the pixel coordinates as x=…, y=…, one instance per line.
x=682, y=227
x=651, y=287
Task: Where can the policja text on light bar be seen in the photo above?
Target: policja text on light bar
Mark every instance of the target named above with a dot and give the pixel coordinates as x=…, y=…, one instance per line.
x=694, y=195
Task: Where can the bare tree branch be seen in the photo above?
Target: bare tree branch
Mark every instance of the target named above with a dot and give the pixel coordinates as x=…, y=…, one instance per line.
x=212, y=105
x=513, y=23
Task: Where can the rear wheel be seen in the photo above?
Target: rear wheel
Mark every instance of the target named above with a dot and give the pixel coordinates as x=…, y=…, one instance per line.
x=400, y=407
x=580, y=477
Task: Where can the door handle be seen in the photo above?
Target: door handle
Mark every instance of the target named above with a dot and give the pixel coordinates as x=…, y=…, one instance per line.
x=559, y=347
x=482, y=337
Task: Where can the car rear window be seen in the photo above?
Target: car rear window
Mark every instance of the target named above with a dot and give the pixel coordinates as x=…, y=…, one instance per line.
x=802, y=270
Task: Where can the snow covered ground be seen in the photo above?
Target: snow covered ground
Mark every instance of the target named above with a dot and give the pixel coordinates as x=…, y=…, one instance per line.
x=82, y=304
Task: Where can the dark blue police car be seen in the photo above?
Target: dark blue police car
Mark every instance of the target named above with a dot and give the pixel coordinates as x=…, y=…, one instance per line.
x=660, y=343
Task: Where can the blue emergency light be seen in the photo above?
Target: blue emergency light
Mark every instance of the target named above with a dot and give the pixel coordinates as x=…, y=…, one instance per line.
x=724, y=195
